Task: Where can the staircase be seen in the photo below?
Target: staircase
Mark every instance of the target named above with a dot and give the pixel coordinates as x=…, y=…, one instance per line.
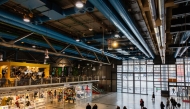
x=95, y=90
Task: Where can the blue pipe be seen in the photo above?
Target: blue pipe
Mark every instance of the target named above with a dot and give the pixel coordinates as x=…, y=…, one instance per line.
x=119, y=6
x=34, y=42
x=14, y=20
x=182, y=41
x=111, y=14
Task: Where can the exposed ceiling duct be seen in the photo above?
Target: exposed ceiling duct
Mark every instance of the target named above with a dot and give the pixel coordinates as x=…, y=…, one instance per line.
x=117, y=21
x=118, y=5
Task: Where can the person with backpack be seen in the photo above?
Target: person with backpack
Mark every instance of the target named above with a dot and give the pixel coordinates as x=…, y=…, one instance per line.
x=171, y=100
x=167, y=104
x=141, y=103
x=162, y=105
x=174, y=104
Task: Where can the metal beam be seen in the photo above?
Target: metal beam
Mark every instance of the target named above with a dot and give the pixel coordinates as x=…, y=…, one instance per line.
x=49, y=44
x=180, y=11
x=96, y=56
x=64, y=48
x=180, y=22
x=51, y=53
x=179, y=45
x=78, y=51
x=108, y=59
x=19, y=38
x=180, y=29
x=2, y=39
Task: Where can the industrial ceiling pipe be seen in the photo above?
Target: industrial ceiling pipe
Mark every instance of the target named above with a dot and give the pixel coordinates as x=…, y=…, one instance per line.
x=52, y=53
x=156, y=29
x=14, y=20
x=117, y=21
x=118, y=5
x=184, y=38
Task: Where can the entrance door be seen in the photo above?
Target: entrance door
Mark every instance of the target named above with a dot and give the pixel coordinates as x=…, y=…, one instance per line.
x=182, y=91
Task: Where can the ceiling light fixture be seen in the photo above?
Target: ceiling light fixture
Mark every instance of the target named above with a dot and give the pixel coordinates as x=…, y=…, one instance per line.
x=116, y=35
x=26, y=18
x=115, y=44
x=79, y=4
x=33, y=46
x=77, y=39
x=90, y=29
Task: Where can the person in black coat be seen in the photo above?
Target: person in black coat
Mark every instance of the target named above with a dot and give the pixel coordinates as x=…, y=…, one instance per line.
x=88, y=106
x=162, y=105
x=124, y=107
x=95, y=107
x=118, y=107
x=141, y=103
x=153, y=96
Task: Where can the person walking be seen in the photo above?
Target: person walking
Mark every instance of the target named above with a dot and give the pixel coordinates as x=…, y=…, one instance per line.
x=173, y=90
x=141, y=103
x=124, y=107
x=95, y=106
x=174, y=104
x=162, y=105
x=153, y=96
x=171, y=100
x=167, y=104
x=88, y=106
x=118, y=107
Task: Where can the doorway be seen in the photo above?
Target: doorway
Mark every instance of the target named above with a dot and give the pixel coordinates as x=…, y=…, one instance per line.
x=179, y=91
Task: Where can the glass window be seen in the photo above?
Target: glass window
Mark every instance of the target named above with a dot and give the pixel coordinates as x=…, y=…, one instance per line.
x=180, y=73
x=119, y=68
x=125, y=68
x=143, y=68
x=130, y=68
x=136, y=68
x=149, y=68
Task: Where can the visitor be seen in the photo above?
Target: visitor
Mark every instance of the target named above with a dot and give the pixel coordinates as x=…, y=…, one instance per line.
x=88, y=106
x=141, y=103
x=95, y=106
x=124, y=107
x=162, y=105
x=171, y=100
x=174, y=104
x=118, y=107
x=167, y=104
x=173, y=90
x=153, y=96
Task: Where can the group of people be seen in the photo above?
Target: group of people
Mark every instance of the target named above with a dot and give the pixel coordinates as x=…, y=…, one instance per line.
x=89, y=106
x=174, y=104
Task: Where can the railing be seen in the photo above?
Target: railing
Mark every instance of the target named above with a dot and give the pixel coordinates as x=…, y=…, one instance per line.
x=52, y=80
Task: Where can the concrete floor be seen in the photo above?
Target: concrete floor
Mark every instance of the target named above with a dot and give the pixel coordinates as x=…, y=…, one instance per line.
x=111, y=100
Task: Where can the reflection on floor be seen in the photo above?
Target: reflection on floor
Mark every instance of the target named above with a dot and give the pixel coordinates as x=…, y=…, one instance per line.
x=111, y=100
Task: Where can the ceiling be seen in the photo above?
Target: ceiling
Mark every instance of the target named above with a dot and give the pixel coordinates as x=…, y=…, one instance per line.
x=145, y=29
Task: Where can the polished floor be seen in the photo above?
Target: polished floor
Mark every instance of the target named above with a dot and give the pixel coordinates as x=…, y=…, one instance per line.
x=111, y=100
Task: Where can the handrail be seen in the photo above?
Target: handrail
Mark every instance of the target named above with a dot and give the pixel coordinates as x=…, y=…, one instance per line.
x=44, y=81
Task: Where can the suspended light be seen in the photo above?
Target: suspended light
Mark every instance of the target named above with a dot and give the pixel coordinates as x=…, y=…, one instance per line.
x=115, y=44
x=79, y=66
x=90, y=29
x=93, y=69
x=113, y=66
x=26, y=18
x=33, y=46
x=116, y=35
x=77, y=39
x=100, y=64
x=1, y=57
x=79, y=4
x=46, y=54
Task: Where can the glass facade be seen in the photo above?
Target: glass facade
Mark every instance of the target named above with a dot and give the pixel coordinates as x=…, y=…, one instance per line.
x=143, y=77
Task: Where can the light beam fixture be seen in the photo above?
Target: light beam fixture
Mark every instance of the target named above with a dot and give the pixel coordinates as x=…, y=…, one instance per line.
x=79, y=4
x=114, y=44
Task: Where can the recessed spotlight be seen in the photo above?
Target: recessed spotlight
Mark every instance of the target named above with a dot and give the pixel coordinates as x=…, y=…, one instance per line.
x=33, y=46
x=90, y=29
x=79, y=4
x=77, y=40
